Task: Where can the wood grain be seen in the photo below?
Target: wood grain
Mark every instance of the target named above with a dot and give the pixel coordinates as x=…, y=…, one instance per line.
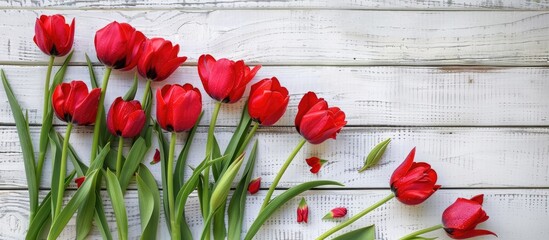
x=310, y=37
x=419, y=96
x=257, y=4
x=525, y=210
x=463, y=157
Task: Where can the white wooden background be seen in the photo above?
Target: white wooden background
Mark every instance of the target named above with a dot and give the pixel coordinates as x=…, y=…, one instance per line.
x=466, y=81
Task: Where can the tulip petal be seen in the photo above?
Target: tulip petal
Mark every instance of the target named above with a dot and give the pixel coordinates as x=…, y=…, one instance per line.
x=86, y=111
x=404, y=167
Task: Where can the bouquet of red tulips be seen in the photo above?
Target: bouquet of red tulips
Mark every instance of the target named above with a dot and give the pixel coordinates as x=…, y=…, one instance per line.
x=125, y=132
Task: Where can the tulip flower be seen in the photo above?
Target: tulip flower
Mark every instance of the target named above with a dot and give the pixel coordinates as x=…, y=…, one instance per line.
x=254, y=186
x=73, y=104
x=411, y=183
x=268, y=101
x=336, y=213
x=53, y=36
x=156, y=157
x=315, y=163
x=178, y=107
x=460, y=220
x=118, y=45
x=79, y=181
x=302, y=211
x=159, y=59
x=125, y=118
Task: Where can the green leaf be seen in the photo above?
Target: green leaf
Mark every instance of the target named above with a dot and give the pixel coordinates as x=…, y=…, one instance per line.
x=163, y=149
x=135, y=157
x=280, y=200
x=146, y=132
x=236, y=142
x=375, y=155
x=66, y=214
x=56, y=165
x=365, y=233
x=60, y=74
x=238, y=201
x=130, y=94
x=179, y=172
x=100, y=158
x=216, y=152
x=85, y=216
x=80, y=167
x=100, y=218
x=118, y=205
x=149, y=203
x=26, y=144
x=93, y=79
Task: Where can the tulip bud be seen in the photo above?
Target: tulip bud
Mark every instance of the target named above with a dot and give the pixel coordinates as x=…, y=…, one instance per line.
x=336, y=213
x=156, y=157
x=315, y=164
x=315, y=121
x=302, y=211
x=268, y=101
x=53, y=36
x=225, y=80
x=159, y=59
x=118, y=45
x=125, y=118
x=178, y=107
x=72, y=102
x=221, y=191
x=254, y=185
x=461, y=218
x=79, y=181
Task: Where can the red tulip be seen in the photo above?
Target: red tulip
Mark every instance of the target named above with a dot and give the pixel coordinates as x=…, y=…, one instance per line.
x=79, y=181
x=268, y=101
x=72, y=102
x=315, y=121
x=225, y=80
x=159, y=59
x=336, y=213
x=462, y=217
x=302, y=211
x=53, y=36
x=118, y=45
x=254, y=185
x=156, y=157
x=315, y=163
x=413, y=182
x=178, y=107
x=125, y=118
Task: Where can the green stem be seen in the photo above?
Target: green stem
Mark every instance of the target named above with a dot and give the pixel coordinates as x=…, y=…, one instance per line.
x=97, y=128
x=119, y=156
x=175, y=226
x=42, y=154
x=355, y=217
x=146, y=91
x=248, y=138
x=281, y=172
x=422, y=231
x=62, y=171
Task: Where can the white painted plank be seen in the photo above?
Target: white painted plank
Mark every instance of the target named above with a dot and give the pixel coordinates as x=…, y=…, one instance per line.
x=463, y=96
x=463, y=157
x=311, y=37
x=340, y=4
x=514, y=214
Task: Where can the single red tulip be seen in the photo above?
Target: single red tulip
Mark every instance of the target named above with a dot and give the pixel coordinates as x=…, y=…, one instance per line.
x=178, y=107
x=315, y=163
x=462, y=217
x=53, y=36
x=302, y=211
x=118, y=45
x=315, y=121
x=268, y=101
x=72, y=102
x=79, y=181
x=254, y=185
x=225, y=80
x=125, y=118
x=156, y=157
x=159, y=59
x=413, y=182
x=336, y=213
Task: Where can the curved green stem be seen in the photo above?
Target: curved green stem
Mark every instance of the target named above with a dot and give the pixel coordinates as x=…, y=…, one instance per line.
x=146, y=91
x=422, y=231
x=281, y=172
x=97, y=128
x=42, y=154
x=119, y=156
x=248, y=138
x=355, y=217
x=175, y=233
x=62, y=171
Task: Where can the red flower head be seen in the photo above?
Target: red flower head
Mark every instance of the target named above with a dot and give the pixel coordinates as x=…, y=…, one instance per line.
x=156, y=157
x=315, y=121
x=159, y=59
x=79, y=181
x=268, y=101
x=462, y=217
x=178, y=107
x=315, y=163
x=413, y=182
x=224, y=80
x=72, y=102
x=302, y=211
x=118, y=45
x=336, y=213
x=254, y=185
x=125, y=118
x=53, y=36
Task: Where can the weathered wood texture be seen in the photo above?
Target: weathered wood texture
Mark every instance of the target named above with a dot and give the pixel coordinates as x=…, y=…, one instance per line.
x=254, y=4
x=428, y=96
x=525, y=210
x=310, y=37
x=463, y=157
